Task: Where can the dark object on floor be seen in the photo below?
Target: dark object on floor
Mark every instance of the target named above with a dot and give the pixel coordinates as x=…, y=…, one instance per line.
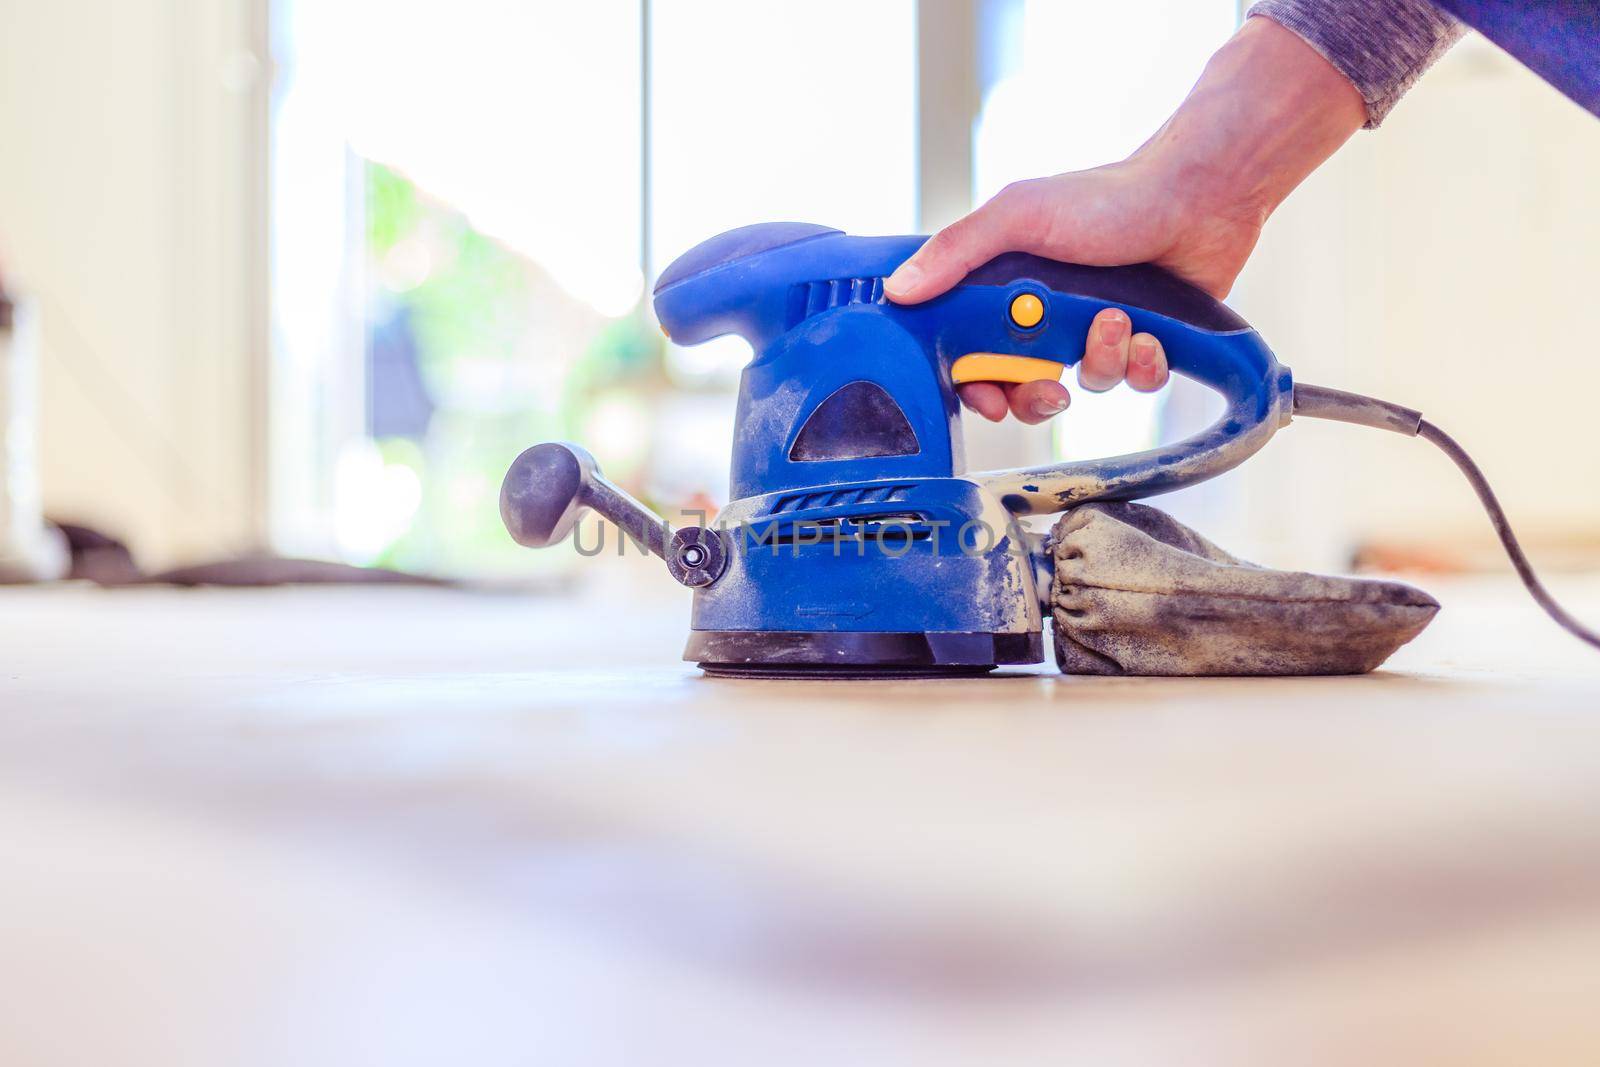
x=1137, y=592
x=277, y=570
x=97, y=557
x=106, y=561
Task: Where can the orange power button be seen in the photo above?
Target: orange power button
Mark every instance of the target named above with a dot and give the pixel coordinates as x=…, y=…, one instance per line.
x=1027, y=310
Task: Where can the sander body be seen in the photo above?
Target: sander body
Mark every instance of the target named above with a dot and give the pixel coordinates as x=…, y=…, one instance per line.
x=855, y=542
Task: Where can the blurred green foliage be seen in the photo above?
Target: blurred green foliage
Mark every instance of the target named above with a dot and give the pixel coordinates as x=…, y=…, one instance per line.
x=486, y=323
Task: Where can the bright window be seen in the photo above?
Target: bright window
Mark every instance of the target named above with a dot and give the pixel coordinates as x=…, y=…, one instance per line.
x=763, y=112
x=459, y=203
x=1080, y=85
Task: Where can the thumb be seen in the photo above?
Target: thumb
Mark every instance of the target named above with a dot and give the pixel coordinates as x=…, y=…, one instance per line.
x=949, y=255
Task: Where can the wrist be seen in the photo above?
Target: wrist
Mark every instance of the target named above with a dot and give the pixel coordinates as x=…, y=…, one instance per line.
x=1266, y=112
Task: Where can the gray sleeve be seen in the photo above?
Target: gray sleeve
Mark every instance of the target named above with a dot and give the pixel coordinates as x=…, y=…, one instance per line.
x=1382, y=46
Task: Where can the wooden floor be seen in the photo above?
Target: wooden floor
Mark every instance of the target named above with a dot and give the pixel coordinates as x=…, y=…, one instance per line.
x=396, y=826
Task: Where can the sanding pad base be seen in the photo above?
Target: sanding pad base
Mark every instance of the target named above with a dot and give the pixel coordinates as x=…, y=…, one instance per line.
x=857, y=654
x=856, y=672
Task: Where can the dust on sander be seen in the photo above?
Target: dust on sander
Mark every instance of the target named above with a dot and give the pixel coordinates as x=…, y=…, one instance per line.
x=1136, y=592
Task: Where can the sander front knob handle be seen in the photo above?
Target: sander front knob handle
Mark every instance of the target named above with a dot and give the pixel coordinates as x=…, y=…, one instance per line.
x=550, y=486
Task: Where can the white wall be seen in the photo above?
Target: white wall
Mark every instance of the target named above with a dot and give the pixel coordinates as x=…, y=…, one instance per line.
x=1449, y=261
x=131, y=180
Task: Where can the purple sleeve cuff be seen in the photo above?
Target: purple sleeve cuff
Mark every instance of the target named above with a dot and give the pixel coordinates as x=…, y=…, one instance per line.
x=1382, y=46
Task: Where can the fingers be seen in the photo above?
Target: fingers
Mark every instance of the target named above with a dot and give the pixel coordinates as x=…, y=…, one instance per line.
x=1147, y=363
x=1030, y=402
x=949, y=255
x=1105, y=351
x=986, y=398
x=1035, y=402
x=1112, y=353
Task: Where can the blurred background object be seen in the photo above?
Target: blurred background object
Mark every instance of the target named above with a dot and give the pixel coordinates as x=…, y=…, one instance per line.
x=308, y=274
x=30, y=550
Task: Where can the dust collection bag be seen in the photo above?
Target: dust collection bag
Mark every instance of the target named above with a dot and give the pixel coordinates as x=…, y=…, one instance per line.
x=1137, y=592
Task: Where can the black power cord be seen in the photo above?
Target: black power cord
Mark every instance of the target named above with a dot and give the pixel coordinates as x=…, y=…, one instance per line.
x=1502, y=528
x=1318, y=402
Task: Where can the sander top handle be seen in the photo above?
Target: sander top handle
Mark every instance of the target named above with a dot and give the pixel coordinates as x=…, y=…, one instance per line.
x=1016, y=317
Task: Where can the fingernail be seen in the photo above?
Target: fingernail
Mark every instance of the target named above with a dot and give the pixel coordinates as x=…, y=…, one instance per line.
x=903, y=280
x=1144, y=353
x=1049, y=406
x=1112, y=329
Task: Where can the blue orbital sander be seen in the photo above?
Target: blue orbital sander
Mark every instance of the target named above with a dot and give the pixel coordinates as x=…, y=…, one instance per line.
x=855, y=543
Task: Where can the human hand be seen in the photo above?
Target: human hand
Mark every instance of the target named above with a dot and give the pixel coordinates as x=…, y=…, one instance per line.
x=1193, y=199
x=1124, y=213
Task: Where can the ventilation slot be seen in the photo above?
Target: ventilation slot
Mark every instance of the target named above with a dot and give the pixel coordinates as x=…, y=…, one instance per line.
x=877, y=494
x=892, y=529
x=813, y=298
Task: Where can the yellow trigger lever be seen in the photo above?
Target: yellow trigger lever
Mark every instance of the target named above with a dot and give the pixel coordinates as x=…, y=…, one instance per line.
x=997, y=367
